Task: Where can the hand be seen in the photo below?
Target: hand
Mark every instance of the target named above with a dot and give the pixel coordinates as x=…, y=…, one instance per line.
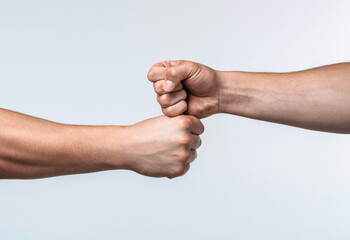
x=184, y=86
x=163, y=146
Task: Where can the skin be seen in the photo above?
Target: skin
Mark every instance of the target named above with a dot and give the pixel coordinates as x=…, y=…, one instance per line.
x=316, y=99
x=37, y=148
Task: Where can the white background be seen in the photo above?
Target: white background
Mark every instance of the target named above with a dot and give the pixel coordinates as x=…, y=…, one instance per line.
x=85, y=62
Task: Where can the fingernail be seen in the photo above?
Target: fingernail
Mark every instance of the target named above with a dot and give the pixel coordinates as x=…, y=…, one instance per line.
x=168, y=85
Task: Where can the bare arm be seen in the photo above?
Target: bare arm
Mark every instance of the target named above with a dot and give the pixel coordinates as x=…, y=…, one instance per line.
x=317, y=99
x=37, y=148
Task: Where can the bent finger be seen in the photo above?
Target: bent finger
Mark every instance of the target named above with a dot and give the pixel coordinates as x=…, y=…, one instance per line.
x=187, y=167
x=159, y=87
x=197, y=126
x=193, y=156
x=170, y=99
x=196, y=142
x=176, y=109
x=177, y=73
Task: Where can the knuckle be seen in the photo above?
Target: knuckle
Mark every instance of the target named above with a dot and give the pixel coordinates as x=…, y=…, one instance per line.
x=201, y=128
x=195, y=155
x=185, y=140
x=164, y=110
x=185, y=122
x=155, y=87
x=158, y=87
x=184, y=155
x=199, y=142
x=165, y=99
x=177, y=171
x=172, y=71
x=174, y=111
x=167, y=111
x=150, y=74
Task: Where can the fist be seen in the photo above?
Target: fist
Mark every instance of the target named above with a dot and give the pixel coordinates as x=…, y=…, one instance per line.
x=163, y=146
x=185, y=87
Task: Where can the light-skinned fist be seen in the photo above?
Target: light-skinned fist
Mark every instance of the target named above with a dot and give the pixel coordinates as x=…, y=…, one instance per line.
x=162, y=146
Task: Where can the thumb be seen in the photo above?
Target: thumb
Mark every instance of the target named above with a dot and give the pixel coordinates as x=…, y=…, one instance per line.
x=177, y=73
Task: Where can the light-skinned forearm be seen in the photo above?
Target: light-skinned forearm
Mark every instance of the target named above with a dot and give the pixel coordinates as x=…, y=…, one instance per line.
x=36, y=148
x=317, y=98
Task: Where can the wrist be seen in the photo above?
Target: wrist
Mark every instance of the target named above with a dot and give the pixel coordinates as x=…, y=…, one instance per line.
x=115, y=145
x=235, y=93
x=96, y=148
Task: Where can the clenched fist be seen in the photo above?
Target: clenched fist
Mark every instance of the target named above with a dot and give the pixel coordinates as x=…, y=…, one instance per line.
x=163, y=146
x=184, y=86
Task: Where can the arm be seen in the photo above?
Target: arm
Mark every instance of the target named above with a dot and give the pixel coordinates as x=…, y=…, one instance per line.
x=37, y=148
x=317, y=99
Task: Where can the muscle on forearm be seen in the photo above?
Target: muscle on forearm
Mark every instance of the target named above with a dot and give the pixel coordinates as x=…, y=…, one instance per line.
x=316, y=99
x=33, y=148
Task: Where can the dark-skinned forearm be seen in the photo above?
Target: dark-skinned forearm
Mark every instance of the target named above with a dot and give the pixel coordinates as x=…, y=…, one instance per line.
x=317, y=99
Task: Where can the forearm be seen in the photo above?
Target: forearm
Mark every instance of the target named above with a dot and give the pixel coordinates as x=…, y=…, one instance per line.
x=36, y=148
x=317, y=99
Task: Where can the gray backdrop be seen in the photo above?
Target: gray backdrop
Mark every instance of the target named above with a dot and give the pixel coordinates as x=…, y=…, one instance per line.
x=85, y=62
